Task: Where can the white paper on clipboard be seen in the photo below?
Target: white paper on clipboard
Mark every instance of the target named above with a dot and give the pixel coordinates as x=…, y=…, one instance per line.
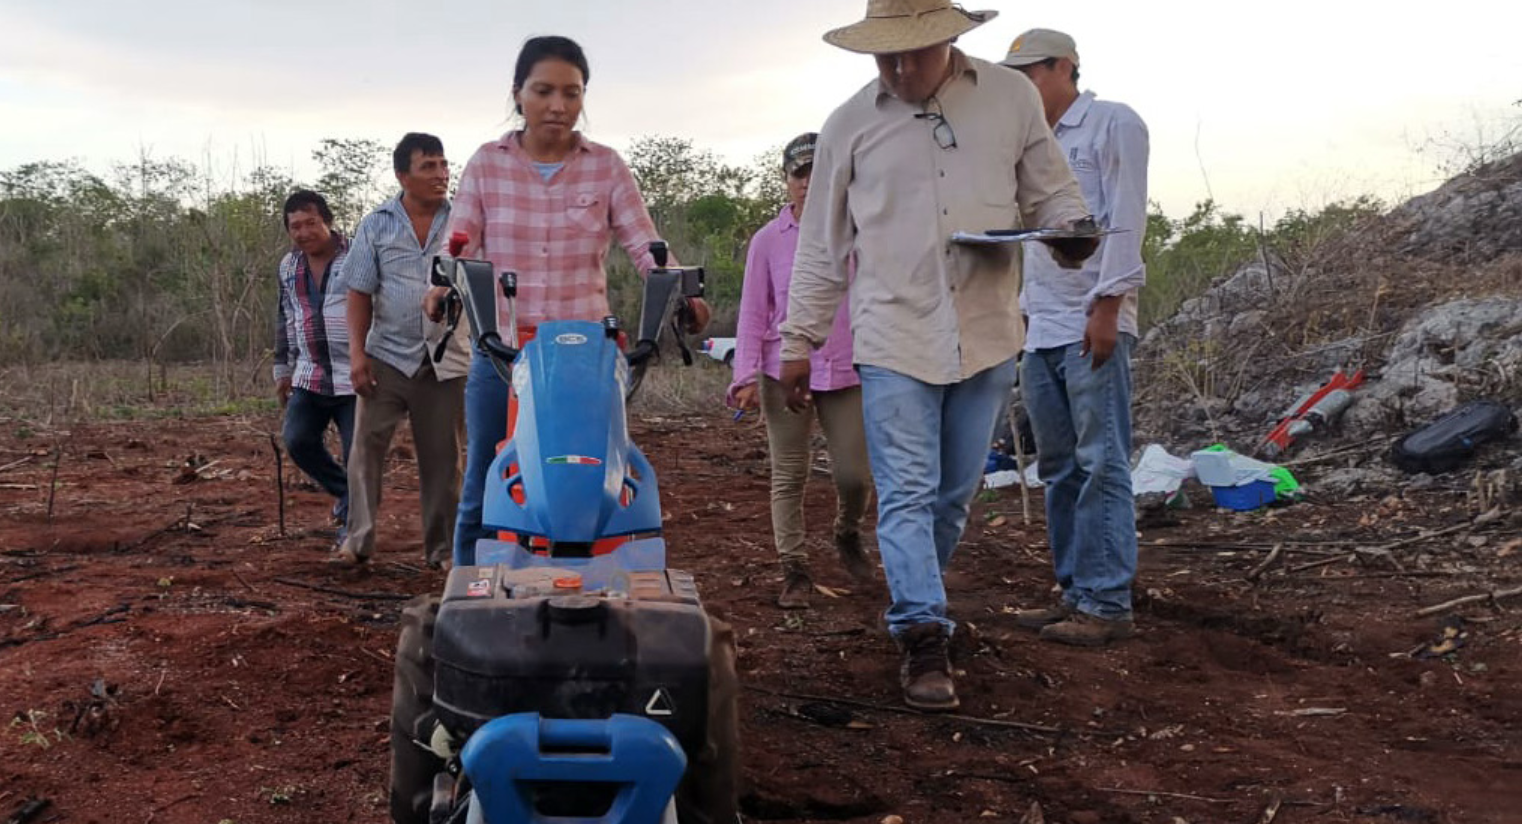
x=1027, y=235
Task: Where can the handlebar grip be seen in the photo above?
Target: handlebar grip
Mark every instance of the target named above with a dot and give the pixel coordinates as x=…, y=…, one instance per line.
x=641, y=352
x=492, y=344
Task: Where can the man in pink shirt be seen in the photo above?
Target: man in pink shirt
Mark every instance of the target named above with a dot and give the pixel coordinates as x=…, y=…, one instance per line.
x=837, y=395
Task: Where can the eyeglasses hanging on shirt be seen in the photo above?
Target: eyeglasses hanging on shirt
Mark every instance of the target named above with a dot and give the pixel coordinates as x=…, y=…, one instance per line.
x=941, y=131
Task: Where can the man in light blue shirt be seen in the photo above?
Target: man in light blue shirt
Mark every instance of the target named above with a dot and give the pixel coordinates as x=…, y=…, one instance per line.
x=391, y=351
x=1076, y=374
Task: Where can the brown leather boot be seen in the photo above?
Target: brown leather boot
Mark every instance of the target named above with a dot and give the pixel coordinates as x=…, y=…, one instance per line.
x=1083, y=630
x=1038, y=619
x=796, y=586
x=853, y=557
x=926, y=672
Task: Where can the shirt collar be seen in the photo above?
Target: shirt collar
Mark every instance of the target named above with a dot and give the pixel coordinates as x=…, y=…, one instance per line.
x=394, y=206
x=1077, y=111
x=511, y=143
x=960, y=65
x=786, y=216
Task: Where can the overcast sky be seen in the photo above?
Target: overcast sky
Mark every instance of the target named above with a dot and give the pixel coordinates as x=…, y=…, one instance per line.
x=1263, y=105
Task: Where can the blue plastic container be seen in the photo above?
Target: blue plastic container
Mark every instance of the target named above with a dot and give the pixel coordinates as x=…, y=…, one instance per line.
x=1245, y=497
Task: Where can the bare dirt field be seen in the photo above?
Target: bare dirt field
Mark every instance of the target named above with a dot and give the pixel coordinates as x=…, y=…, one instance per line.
x=167, y=656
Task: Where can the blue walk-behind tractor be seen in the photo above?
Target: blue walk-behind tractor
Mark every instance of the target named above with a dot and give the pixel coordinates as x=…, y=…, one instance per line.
x=567, y=675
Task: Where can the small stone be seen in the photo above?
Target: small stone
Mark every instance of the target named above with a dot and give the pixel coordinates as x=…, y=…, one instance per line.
x=892, y=819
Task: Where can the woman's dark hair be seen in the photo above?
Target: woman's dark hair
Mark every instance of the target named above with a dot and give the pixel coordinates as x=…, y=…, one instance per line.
x=554, y=47
x=307, y=199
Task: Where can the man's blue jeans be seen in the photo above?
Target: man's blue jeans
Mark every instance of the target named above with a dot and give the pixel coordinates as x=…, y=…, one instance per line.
x=485, y=427
x=307, y=415
x=928, y=445
x=1082, y=420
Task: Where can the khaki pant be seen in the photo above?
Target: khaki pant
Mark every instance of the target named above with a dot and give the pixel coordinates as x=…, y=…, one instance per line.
x=787, y=435
x=436, y=410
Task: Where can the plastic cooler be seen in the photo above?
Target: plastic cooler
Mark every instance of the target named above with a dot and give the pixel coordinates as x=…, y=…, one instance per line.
x=1246, y=497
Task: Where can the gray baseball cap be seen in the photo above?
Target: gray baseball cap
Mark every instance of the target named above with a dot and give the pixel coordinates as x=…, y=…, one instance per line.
x=1037, y=45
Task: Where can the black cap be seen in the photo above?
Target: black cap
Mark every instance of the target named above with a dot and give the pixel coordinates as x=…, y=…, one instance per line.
x=799, y=153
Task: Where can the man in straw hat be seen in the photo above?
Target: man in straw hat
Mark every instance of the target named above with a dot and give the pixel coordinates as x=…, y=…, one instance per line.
x=1076, y=374
x=939, y=142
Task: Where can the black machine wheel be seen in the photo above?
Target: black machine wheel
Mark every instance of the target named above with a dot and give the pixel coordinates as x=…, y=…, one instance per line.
x=709, y=791
x=412, y=766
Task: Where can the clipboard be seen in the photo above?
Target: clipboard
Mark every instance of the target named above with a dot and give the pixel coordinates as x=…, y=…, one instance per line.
x=992, y=236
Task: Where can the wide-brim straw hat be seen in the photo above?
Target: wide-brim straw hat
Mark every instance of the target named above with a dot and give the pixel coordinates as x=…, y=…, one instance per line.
x=906, y=25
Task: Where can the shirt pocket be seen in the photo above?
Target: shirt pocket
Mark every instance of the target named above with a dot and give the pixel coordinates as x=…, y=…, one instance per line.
x=995, y=182
x=587, y=210
x=396, y=253
x=1084, y=162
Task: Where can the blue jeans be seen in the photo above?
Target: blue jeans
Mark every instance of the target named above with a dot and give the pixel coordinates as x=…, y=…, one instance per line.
x=928, y=444
x=1082, y=420
x=307, y=415
x=485, y=426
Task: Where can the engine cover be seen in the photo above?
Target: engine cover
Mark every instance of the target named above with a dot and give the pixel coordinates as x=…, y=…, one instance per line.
x=531, y=640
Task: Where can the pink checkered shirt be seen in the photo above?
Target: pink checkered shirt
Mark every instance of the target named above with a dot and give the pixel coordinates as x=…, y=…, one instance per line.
x=553, y=234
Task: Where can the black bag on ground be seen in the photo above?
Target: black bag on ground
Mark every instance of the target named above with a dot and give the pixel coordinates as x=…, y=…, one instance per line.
x=1447, y=442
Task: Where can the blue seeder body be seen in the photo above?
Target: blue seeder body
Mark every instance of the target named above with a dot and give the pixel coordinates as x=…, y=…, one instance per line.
x=541, y=695
x=571, y=463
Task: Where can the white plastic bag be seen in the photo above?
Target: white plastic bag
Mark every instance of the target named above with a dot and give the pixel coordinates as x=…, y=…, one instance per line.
x=1159, y=472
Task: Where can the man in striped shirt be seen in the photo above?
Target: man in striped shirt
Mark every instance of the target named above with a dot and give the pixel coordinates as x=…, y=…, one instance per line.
x=391, y=347
x=312, y=346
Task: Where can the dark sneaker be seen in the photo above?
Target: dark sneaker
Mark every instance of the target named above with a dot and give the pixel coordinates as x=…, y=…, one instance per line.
x=926, y=672
x=1083, y=630
x=1038, y=619
x=853, y=558
x=796, y=586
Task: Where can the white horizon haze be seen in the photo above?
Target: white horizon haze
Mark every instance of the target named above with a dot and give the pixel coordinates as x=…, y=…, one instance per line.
x=1263, y=107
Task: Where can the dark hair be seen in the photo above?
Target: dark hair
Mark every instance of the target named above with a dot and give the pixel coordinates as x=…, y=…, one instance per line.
x=306, y=199
x=401, y=159
x=536, y=49
x=1051, y=63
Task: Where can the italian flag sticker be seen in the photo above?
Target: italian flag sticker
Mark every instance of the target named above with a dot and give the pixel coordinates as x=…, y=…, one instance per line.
x=579, y=460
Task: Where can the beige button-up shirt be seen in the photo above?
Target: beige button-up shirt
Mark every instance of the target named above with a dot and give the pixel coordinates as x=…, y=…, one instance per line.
x=885, y=190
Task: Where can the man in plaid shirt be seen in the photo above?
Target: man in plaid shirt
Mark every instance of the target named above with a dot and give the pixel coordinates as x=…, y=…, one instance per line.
x=312, y=346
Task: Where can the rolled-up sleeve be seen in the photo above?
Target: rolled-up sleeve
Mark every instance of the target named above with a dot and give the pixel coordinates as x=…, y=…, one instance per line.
x=631, y=221
x=467, y=214
x=755, y=309
x=1046, y=190
x=1125, y=195
x=286, y=333
x=827, y=234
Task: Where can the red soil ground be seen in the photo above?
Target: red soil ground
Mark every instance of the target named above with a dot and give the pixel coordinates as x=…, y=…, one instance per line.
x=238, y=678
